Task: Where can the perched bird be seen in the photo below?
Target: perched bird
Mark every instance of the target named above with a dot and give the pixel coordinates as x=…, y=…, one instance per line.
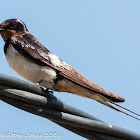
x=33, y=61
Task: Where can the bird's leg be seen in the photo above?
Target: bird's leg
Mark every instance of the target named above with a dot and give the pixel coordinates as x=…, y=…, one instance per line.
x=38, y=84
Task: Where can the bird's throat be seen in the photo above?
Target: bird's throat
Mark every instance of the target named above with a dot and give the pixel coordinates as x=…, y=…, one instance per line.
x=7, y=34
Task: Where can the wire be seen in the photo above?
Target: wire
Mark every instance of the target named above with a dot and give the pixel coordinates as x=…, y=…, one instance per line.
x=31, y=98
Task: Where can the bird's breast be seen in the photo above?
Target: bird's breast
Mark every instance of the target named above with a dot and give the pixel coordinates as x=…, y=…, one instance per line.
x=29, y=70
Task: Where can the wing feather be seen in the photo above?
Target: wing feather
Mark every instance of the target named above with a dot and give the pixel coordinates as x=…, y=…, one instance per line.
x=31, y=48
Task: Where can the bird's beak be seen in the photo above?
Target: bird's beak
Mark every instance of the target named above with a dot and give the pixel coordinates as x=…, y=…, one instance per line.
x=1, y=28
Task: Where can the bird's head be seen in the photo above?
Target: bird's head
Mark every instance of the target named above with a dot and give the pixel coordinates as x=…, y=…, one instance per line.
x=12, y=27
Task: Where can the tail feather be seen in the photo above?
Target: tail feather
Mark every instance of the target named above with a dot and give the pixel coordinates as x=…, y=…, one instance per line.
x=105, y=101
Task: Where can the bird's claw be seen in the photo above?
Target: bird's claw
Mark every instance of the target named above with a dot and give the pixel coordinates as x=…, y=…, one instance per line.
x=43, y=89
x=49, y=91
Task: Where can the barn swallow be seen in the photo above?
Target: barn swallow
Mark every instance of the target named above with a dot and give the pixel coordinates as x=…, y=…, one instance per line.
x=33, y=61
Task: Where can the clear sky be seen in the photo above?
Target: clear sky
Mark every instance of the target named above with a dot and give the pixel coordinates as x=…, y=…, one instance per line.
x=100, y=39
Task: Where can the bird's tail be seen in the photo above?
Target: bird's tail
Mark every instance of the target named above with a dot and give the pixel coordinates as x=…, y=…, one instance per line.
x=108, y=102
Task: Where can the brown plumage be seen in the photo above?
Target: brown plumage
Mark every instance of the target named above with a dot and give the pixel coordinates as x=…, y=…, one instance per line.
x=41, y=64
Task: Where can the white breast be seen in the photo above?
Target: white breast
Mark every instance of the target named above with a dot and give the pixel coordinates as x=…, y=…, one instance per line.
x=29, y=70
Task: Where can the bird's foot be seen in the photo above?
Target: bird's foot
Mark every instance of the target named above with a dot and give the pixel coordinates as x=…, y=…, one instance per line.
x=38, y=84
x=49, y=91
x=43, y=88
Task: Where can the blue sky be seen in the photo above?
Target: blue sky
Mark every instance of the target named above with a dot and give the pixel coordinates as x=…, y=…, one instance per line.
x=100, y=39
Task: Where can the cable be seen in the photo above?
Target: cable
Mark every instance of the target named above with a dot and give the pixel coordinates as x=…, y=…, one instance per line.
x=31, y=98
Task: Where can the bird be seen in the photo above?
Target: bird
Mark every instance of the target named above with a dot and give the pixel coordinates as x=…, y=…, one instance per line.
x=33, y=61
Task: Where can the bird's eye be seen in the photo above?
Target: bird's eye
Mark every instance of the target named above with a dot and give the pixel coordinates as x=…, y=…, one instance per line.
x=13, y=25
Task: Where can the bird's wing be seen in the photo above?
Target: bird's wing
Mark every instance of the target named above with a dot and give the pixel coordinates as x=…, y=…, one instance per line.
x=32, y=49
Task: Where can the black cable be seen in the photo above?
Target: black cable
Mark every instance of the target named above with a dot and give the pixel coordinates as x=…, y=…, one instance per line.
x=32, y=99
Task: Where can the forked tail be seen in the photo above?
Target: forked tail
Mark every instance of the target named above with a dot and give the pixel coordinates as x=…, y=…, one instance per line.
x=105, y=101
